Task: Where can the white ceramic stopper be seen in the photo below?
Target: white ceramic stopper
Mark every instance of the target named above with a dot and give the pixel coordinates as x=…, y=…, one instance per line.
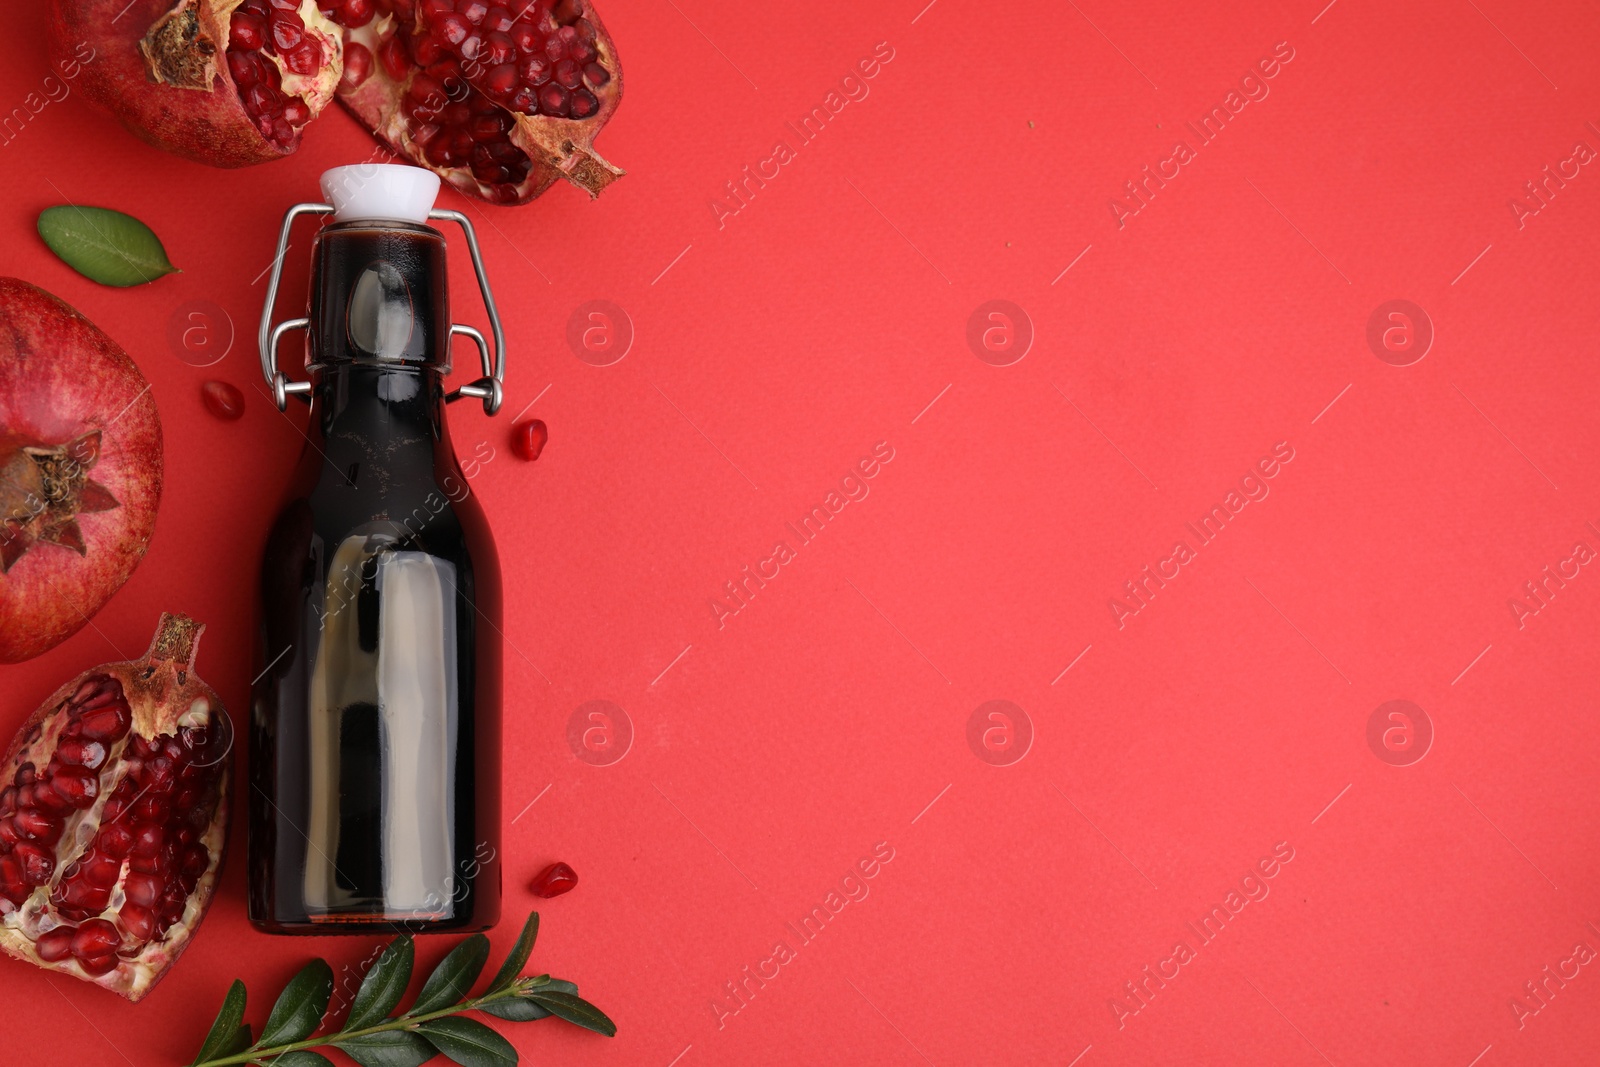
x=380, y=191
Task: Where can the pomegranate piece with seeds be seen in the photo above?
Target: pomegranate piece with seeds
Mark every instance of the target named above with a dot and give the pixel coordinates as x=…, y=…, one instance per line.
x=114, y=816
x=218, y=81
x=500, y=99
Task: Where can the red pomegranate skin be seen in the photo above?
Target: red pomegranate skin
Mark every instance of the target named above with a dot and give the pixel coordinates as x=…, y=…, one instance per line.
x=60, y=379
x=198, y=113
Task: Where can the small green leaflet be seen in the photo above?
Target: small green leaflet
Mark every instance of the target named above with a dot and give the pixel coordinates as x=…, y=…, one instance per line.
x=103, y=245
x=469, y=1042
x=383, y=986
x=226, y=1026
x=300, y=1006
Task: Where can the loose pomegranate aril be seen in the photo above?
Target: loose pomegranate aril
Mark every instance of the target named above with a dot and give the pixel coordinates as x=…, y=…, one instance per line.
x=529, y=438
x=554, y=880
x=223, y=399
x=110, y=888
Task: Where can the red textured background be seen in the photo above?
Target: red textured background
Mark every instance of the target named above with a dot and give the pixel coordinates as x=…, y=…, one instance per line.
x=772, y=353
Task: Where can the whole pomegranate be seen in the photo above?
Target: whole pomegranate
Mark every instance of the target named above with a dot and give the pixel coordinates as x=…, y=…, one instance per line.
x=114, y=816
x=80, y=469
x=499, y=97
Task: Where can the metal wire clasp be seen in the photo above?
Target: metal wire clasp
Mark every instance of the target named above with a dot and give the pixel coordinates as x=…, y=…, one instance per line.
x=490, y=388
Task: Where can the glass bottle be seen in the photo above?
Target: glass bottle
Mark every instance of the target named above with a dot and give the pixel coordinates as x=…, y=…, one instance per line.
x=375, y=725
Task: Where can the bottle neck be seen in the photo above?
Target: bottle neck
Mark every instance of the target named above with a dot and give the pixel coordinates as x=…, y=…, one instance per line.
x=380, y=410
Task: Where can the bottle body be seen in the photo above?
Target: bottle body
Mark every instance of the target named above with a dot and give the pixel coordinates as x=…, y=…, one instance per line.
x=375, y=727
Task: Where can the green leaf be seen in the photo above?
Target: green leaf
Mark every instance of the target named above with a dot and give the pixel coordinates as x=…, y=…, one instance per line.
x=469, y=1043
x=240, y=1042
x=541, y=982
x=300, y=1006
x=388, y=1048
x=103, y=245
x=383, y=986
x=303, y=1057
x=519, y=954
x=515, y=1009
x=455, y=974
x=575, y=1010
x=226, y=1025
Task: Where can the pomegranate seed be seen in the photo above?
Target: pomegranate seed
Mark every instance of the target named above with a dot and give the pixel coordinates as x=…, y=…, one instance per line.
x=55, y=944
x=307, y=59
x=437, y=151
x=474, y=11
x=144, y=889
x=500, y=50
x=12, y=887
x=152, y=808
x=450, y=28
x=95, y=938
x=568, y=35
x=491, y=127
x=586, y=30
x=247, y=33
x=555, y=48
x=47, y=798
x=427, y=51
x=521, y=100
x=425, y=133
x=596, y=75
x=555, y=101
x=25, y=775
x=501, y=82
x=195, y=861
x=9, y=835
x=98, y=965
x=554, y=880
x=499, y=20
x=357, y=13
x=583, y=52
x=75, y=750
x=101, y=871
x=567, y=11
x=392, y=54
x=535, y=70
x=38, y=863
x=568, y=74
x=525, y=37
x=287, y=31
x=109, y=723
x=8, y=800
x=357, y=65
x=35, y=824
x=284, y=5
x=528, y=438
x=78, y=786
x=114, y=840
x=470, y=47
x=147, y=840
x=137, y=922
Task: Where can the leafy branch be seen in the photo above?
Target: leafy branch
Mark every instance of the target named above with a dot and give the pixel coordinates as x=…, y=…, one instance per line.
x=374, y=1037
